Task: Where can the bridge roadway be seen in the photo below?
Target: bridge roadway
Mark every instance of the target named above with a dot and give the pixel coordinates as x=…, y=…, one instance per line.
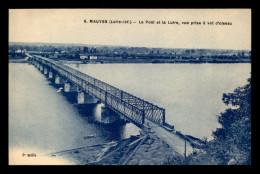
x=129, y=107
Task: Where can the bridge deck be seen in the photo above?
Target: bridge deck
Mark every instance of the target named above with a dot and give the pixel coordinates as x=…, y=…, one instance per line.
x=127, y=105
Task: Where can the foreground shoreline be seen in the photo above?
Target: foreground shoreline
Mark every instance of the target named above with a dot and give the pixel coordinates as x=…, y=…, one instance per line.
x=148, y=149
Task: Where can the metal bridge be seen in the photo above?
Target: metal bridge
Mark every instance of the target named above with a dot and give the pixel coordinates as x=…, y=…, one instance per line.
x=126, y=105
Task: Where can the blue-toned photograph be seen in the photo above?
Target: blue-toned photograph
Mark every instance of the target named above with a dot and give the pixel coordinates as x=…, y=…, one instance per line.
x=129, y=87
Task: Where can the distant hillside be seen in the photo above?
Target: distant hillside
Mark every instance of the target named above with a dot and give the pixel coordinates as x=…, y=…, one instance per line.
x=58, y=44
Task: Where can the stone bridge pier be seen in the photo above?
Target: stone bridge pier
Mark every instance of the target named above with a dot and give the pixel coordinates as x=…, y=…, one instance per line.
x=41, y=68
x=70, y=87
x=84, y=98
x=108, y=116
x=59, y=80
x=50, y=74
x=38, y=65
x=45, y=70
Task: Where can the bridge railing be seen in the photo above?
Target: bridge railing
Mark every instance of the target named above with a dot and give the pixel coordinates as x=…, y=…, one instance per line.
x=119, y=100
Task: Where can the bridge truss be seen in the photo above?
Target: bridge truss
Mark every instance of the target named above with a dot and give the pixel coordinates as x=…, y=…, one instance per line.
x=126, y=105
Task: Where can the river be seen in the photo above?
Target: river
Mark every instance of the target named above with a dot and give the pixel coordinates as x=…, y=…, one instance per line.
x=42, y=120
x=190, y=93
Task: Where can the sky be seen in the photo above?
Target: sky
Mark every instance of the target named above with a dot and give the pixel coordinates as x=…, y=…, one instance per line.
x=67, y=26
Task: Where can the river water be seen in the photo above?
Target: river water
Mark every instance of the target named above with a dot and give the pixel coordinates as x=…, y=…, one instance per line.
x=42, y=120
x=190, y=93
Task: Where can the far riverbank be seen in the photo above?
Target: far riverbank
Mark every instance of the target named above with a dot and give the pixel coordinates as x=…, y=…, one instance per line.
x=155, y=61
x=141, y=61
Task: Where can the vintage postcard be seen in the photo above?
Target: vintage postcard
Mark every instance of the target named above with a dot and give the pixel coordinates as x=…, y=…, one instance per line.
x=129, y=87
